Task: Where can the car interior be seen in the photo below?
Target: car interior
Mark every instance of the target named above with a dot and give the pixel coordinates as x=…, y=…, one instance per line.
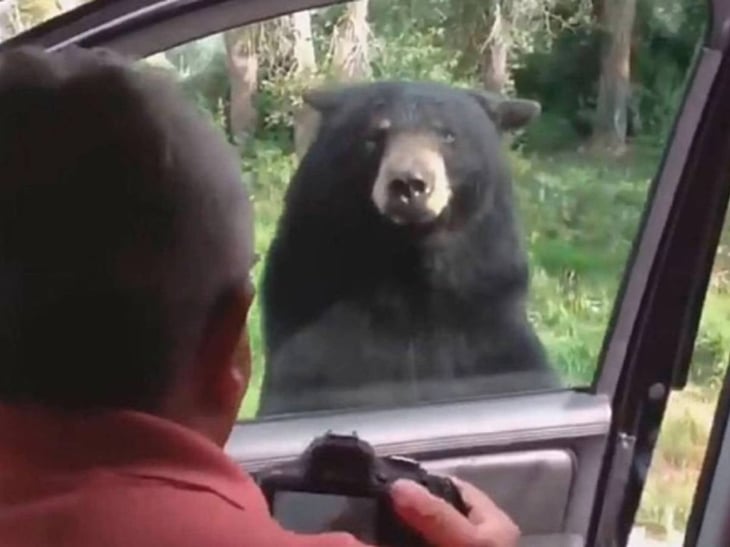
x=565, y=464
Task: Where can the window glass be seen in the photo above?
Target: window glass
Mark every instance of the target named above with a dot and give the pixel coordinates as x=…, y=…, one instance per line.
x=463, y=183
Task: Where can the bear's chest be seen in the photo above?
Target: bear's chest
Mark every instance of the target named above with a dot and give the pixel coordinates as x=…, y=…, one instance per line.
x=416, y=336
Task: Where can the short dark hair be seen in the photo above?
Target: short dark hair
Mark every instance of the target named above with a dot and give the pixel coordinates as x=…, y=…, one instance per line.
x=123, y=219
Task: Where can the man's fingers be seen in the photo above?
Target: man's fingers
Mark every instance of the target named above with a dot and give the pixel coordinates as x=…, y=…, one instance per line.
x=434, y=518
x=479, y=504
x=443, y=526
x=492, y=523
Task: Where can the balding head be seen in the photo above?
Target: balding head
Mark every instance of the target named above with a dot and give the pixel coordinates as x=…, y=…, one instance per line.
x=123, y=223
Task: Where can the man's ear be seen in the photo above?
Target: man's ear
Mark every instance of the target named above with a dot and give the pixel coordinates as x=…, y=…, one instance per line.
x=507, y=114
x=224, y=357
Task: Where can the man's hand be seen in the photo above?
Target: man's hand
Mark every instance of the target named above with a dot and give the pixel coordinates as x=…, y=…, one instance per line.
x=443, y=526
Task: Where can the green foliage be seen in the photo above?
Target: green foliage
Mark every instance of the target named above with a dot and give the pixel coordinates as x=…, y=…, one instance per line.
x=415, y=56
x=564, y=74
x=564, y=78
x=276, y=102
x=579, y=219
x=550, y=133
x=712, y=348
x=267, y=171
x=668, y=36
x=201, y=71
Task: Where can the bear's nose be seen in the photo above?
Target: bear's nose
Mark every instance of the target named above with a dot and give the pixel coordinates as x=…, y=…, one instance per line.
x=409, y=188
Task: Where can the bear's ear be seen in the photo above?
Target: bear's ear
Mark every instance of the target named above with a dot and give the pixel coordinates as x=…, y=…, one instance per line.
x=324, y=100
x=517, y=113
x=508, y=114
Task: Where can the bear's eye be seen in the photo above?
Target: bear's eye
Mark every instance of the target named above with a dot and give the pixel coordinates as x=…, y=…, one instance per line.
x=371, y=145
x=373, y=140
x=446, y=135
x=377, y=133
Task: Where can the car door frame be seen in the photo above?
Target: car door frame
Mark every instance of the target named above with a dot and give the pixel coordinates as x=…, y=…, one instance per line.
x=657, y=350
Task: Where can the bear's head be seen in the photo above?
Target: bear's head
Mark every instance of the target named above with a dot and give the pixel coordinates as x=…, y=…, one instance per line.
x=425, y=154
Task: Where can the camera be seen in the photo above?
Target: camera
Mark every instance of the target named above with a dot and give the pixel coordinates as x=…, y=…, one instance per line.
x=339, y=484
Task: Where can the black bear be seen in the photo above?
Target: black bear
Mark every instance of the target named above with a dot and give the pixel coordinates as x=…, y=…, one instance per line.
x=397, y=273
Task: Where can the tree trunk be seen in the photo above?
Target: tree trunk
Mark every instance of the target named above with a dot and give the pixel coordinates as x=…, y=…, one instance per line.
x=242, y=64
x=597, y=10
x=611, y=120
x=160, y=60
x=303, y=45
x=34, y=12
x=68, y=5
x=305, y=119
x=10, y=22
x=495, y=72
x=350, y=55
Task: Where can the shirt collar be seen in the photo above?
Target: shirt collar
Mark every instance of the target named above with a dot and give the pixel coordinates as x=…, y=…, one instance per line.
x=132, y=443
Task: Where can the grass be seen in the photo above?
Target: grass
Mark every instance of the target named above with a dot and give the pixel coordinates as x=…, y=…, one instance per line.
x=580, y=216
x=667, y=498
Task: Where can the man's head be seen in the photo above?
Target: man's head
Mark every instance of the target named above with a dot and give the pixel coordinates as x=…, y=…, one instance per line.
x=125, y=243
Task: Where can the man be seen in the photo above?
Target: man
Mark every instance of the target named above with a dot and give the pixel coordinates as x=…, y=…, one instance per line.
x=125, y=249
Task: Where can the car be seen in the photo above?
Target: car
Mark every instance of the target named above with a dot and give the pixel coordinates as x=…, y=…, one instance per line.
x=569, y=465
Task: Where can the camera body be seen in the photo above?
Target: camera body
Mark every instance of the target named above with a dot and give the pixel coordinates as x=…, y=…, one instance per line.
x=339, y=484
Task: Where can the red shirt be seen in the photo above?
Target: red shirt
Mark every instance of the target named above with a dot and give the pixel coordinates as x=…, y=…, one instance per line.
x=128, y=479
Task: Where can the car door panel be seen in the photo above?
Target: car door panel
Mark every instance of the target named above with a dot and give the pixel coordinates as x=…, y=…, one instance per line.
x=553, y=540
x=537, y=455
x=533, y=485
x=432, y=429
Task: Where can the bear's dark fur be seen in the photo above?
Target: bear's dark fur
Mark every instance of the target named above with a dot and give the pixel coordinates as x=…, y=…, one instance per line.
x=360, y=310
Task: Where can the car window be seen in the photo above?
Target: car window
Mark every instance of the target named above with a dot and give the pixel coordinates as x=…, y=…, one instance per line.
x=446, y=192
